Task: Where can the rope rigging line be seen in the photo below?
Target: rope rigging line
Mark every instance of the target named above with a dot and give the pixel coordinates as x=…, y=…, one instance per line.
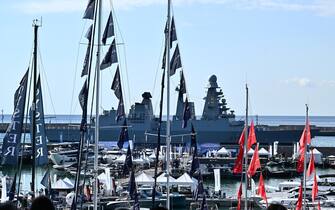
x=72, y=109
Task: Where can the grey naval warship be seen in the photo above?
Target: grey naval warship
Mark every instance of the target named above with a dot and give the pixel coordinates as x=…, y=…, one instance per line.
x=217, y=124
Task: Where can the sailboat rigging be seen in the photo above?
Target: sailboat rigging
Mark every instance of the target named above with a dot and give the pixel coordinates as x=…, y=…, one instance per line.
x=12, y=147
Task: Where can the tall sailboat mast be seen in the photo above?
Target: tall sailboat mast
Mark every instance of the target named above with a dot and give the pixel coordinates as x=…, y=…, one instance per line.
x=97, y=105
x=246, y=149
x=168, y=132
x=33, y=107
x=305, y=161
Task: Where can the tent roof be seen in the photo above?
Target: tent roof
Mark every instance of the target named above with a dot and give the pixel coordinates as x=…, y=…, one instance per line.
x=162, y=179
x=263, y=151
x=143, y=178
x=122, y=158
x=185, y=179
x=62, y=185
x=223, y=151
x=251, y=151
x=315, y=151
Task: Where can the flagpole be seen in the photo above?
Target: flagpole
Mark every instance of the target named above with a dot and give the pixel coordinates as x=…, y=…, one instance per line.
x=305, y=152
x=245, y=149
x=97, y=106
x=168, y=134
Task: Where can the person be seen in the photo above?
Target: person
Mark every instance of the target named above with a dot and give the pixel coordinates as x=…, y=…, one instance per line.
x=7, y=206
x=276, y=207
x=42, y=203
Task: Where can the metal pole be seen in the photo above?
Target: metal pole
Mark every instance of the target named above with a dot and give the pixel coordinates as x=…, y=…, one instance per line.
x=245, y=149
x=33, y=109
x=97, y=105
x=168, y=133
x=305, y=152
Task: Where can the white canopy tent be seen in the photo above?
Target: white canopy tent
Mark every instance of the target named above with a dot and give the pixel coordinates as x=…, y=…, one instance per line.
x=143, y=178
x=251, y=152
x=317, y=156
x=186, y=180
x=223, y=151
x=263, y=152
x=162, y=179
x=62, y=185
x=121, y=159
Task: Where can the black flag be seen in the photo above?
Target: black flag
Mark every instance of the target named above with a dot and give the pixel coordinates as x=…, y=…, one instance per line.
x=89, y=12
x=173, y=33
x=87, y=57
x=123, y=135
x=200, y=189
x=12, y=190
x=41, y=149
x=109, y=30
x=89, y=33
x=182, y=87
x=195, y=165
x=88, y=50
x=12, y=139
x=186, y=113
x=83, y=97
x=117, y=87
x=175, y=61
x=136, y=202
x=193, y=139
x=204, y=205
x=164, y=60
x=110, y=57
x=128, y=163
x=132, y=185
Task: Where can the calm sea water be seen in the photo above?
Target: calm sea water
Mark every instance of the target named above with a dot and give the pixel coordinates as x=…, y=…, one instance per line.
x=328, y=121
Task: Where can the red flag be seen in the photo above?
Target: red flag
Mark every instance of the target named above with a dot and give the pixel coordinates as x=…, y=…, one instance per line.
x=261, y=189
x=242, y=137
x=311, y=166
x=299, y=203
x=239, y=159
x=319, y=206
x=302, y=141
x=300, y=163
x=239, y=197
x=254, y=163
x=251, y=136
x=315, y=188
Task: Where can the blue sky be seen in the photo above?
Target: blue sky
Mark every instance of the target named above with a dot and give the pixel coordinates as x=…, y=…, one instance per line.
x=284, y=49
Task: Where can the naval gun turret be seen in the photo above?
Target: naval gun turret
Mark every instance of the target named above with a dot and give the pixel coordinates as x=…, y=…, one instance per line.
x=215, y=103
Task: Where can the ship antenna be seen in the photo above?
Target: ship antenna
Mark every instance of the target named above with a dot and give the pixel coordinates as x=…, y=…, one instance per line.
x=245, y=148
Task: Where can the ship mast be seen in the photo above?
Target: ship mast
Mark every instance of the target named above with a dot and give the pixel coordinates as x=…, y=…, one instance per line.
x=245, y=148
x=33, y=108
x=168, y=134
x=305, y=151
x=97, y=105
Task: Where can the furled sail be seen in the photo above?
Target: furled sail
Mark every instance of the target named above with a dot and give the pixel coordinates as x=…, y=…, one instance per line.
x=40, y=139
x=12, y=139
